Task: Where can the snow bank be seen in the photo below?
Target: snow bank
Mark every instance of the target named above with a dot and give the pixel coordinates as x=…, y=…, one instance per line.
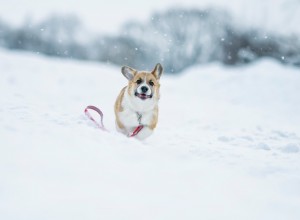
x=227, y=144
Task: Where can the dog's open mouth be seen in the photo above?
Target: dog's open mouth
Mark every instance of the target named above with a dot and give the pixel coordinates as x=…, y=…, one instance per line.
x=143, y=96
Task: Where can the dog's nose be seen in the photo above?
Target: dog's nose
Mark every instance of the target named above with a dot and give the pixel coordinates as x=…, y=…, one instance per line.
x=144, y=89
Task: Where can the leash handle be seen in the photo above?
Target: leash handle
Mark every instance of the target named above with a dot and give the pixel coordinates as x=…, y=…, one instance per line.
x=91, y=107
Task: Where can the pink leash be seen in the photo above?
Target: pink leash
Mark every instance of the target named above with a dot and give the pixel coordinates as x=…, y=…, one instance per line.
x=136, y=131
x=91, y=107
x=101, y=125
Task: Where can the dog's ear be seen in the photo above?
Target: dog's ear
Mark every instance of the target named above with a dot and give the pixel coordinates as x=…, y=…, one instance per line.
x=158, y=70
x=128, y=72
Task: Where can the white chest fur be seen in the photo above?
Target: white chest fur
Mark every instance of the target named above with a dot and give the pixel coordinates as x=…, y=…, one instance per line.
x=132, y=107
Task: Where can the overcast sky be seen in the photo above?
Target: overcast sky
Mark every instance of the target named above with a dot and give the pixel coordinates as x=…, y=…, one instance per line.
x=108, y=15
x=103, y=15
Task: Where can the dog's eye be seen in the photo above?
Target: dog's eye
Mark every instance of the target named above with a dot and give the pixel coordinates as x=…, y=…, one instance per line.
x=139, y=81
x=151, y=83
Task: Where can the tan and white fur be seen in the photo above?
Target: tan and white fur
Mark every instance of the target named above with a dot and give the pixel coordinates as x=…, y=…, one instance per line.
x=137, y=103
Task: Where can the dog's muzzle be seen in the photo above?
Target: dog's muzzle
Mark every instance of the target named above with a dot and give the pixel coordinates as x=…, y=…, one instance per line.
x=143, y=92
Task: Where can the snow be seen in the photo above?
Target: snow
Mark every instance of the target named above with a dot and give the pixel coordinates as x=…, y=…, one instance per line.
x=227, y=144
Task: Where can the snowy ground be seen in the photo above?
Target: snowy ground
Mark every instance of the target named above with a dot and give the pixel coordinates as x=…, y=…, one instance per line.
x=227, y=145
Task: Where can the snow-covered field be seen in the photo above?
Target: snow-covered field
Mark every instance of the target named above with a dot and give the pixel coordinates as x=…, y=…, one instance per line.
x=227, y=145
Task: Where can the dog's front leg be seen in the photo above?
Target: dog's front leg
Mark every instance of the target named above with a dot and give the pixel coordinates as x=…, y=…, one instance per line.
x=144, y=133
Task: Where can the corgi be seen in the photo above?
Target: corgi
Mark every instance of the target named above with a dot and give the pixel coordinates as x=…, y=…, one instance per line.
x=137, y=103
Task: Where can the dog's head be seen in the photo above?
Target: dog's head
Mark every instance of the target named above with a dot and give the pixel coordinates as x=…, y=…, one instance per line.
x=143, y=85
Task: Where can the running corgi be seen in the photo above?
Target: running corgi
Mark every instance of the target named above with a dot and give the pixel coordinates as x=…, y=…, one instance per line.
x=136, y=108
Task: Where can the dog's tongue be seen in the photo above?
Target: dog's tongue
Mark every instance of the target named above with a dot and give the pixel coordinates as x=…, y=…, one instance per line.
x=143, y=96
